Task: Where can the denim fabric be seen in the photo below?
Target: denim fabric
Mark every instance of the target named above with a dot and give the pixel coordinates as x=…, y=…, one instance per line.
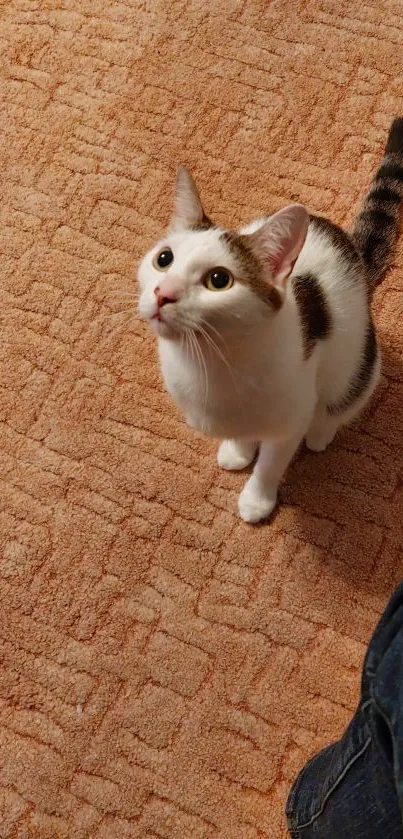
x=354, y=788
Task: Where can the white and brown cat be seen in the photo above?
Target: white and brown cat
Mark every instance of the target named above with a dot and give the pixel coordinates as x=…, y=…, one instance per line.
x=265, y=335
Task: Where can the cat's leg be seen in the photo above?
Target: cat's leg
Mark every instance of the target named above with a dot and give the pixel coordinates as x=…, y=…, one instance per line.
x=259, y=496
x=322, y=431
x=236, y=454
x=325, y=425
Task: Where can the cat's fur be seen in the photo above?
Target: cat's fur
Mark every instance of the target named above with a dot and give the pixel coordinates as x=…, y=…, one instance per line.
x=289, y=351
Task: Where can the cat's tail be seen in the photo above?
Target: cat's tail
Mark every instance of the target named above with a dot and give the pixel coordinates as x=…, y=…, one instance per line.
x=377, y=225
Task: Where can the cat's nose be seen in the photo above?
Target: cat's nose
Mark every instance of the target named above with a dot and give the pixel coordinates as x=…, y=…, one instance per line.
x=164, y=297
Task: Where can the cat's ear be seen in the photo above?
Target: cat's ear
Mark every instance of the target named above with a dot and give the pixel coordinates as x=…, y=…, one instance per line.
x=188, y=209
x=278, y=242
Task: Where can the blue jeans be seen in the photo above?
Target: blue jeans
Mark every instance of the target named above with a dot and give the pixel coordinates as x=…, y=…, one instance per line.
x=354, y=789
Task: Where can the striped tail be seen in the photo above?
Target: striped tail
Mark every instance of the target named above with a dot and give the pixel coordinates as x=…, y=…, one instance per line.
x=377, y=225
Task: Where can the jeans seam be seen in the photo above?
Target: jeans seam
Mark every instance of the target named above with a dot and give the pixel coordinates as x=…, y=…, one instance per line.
x=385, y=718
x=336, y=783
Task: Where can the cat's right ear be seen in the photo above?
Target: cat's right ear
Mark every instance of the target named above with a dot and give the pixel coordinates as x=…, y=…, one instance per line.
x=278, y=242
x=188, y=210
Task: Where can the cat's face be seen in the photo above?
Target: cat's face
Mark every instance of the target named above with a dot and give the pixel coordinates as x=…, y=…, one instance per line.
x=193, y=279
x=200, y=277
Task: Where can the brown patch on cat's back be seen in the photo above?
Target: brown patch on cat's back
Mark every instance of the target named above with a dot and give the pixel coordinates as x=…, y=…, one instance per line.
x=314, y=312
x=250, y=269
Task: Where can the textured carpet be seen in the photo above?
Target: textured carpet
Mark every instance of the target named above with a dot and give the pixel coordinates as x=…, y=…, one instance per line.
x=166, y=669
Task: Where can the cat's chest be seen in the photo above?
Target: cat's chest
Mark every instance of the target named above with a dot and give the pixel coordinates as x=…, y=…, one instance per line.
x=221, y=401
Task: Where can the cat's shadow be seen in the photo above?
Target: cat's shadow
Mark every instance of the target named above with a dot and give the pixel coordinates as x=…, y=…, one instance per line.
x=354, y=485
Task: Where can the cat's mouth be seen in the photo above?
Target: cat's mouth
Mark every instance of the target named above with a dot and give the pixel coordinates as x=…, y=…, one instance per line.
x=169, y=323
x=162, y=326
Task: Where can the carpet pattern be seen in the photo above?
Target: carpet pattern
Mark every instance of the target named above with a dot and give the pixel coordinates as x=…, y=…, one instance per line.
x=165, y=669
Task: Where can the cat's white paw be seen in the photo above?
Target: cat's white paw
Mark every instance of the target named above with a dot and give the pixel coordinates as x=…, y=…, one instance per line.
x=254, y=505
x=233, y=456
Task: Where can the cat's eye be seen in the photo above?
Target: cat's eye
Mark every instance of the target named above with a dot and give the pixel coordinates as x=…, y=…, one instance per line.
x=218, y=279
x=163, y=259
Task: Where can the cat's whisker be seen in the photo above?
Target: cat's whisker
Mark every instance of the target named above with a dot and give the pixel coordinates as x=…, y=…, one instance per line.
x=211, y=343
x=125, y=299
x=206, y=378
x=203, y=368
x=119, y=320
x=221, y=338
x=119, y=292
x=187, y=346
x=209, y=340
x=235, y=374
x=125, y=311
x=213, y=329
x=116, y=327
x=184, y=339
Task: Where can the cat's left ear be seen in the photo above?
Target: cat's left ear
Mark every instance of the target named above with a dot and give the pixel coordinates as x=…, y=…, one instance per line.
x=278, y=242
x=188, y=209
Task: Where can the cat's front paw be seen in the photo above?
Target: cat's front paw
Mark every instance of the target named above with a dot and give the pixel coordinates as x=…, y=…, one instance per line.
x=234, y=456
x=254, y=505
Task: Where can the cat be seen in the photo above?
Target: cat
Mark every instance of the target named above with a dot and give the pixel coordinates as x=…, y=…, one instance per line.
x=265, y=335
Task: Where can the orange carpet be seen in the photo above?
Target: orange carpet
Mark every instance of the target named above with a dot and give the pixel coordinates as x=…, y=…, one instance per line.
x=165, y=669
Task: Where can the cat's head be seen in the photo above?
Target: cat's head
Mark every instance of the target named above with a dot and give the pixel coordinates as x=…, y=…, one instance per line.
x=199, y=275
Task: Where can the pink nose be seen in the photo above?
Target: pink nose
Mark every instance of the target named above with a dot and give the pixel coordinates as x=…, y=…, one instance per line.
x=163, y=299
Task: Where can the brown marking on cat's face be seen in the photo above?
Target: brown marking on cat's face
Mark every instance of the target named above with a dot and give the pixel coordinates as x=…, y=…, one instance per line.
x=251, y=270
